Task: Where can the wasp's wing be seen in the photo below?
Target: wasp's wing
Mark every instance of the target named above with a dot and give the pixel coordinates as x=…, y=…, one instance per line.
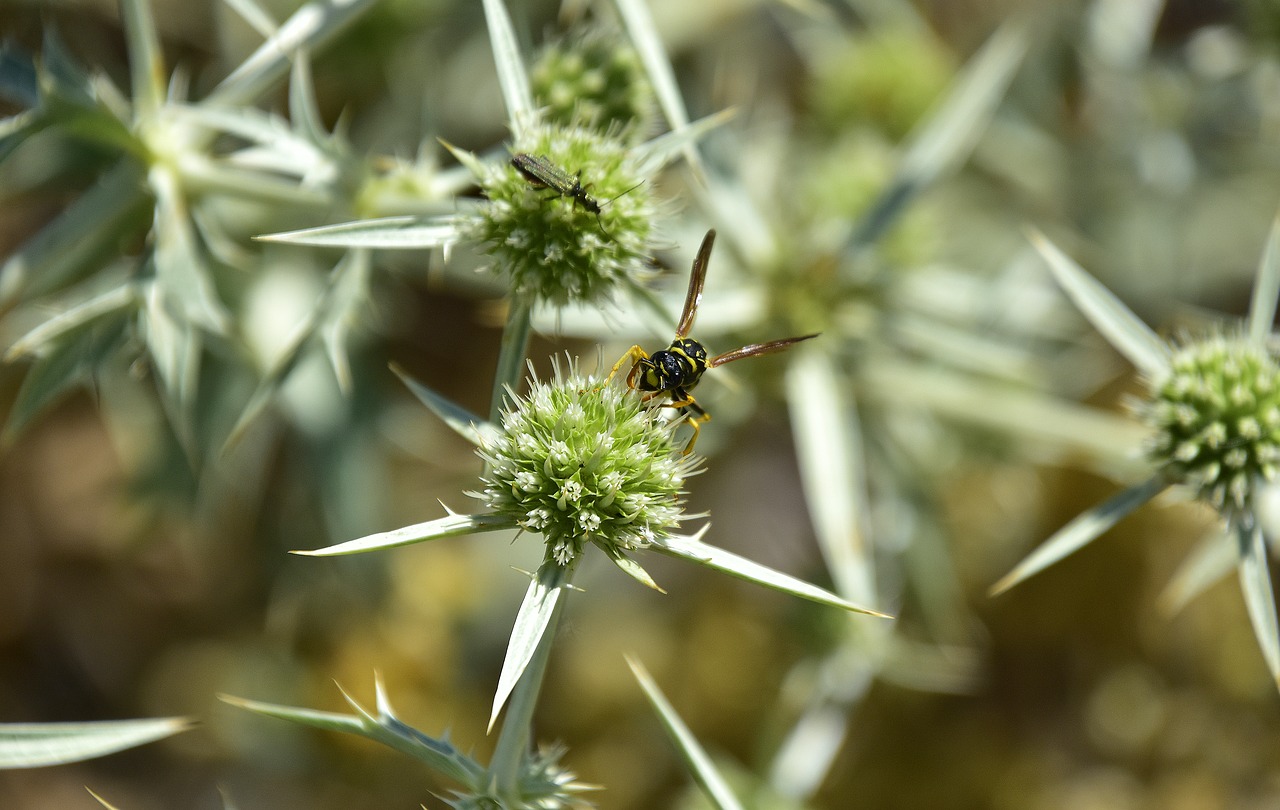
x=755, y=349
x=696, y=279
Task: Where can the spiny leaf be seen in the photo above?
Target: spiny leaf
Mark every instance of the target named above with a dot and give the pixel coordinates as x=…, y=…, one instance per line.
x=33, y=745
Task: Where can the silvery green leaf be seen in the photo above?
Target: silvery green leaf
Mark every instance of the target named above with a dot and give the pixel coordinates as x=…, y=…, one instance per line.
x=86, y=235
x=1211, y=560
x=67, y=363
x=285, y=151
x=1081, y=531
x=330, y=319
x=828, y=440
x=1255, y=583
x=464, y=423
x=1266, y=286
x=944, y=140
x=349, y=290
x=383, y=727
x=1117, y=323
x=123, y=297
x=146, y=68
x=255, y=16
x=449, y=526
x=304, y=111
x=175, y=347
x=658, y=152
x=541, y=604
x=653, y=55
x=311, y=27
x=693, y=549
x=181, y=272
x=271, y=382
x=705, y=773
x=1048, y=425
x=512, y=78
x=386, y=233
x=35, y=745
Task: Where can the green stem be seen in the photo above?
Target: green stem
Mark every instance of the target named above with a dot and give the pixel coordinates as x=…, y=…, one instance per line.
x=511, y=356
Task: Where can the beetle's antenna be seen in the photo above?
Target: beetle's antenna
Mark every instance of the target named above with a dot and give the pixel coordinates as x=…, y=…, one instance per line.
x=623, y=194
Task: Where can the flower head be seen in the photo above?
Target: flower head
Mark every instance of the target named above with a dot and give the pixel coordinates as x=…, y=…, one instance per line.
x=575, y=243
x=578, y=461
x=596, y=80
x=1217, y=419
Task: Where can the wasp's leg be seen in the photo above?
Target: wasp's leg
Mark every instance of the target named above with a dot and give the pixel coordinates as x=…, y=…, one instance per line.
x=693, y=413
x=633, y=356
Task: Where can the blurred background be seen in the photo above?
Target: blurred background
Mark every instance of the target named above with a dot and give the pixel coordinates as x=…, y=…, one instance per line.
x=1144, y=137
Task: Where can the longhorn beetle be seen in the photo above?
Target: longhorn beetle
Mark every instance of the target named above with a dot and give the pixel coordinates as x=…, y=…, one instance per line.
x=542, y=173
x=675, y=370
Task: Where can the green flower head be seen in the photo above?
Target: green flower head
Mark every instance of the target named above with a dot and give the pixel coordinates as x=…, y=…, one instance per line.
x=1217, y=420
x=579, y=460
x=546, y=236
x=596, y=80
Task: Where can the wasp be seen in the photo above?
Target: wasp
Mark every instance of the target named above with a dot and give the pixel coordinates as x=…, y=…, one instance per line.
x=675, y=370
x=542, y=173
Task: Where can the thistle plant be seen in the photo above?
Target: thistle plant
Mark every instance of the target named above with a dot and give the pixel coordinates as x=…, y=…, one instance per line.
x=1210, y=404
x=233, y=261
x=577, y=461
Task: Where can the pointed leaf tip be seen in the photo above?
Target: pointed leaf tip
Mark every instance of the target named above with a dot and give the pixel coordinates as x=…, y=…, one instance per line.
x=1081, y=531
x=1109, y=315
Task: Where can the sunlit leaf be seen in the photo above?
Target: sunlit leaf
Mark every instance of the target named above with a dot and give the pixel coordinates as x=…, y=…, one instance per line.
x=450, y=526
x=1081, y=531
x=464, y=423
x=540, y=604
x=705, y=773
x=383, y=727
x=85, y=236
x=387, y=233
x=653, y=55
x=312, y=26
x=34, y=745
x=694, y=550
x=1108, y=314
x=944, y=140
x=829, y=449
x=74, y=319
x=512, y=77
x=1266, y=286
x=62, y=366
x=146, y=66
x=1255, y=583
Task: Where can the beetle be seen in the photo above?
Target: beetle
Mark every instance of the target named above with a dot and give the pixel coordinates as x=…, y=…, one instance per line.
x=675, y=370
x=542, y=173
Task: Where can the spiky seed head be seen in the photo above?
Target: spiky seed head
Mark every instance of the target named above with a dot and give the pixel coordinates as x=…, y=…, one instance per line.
x=579, y=461
x=594, y=80
x=549, y=245
x=1217, y=420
